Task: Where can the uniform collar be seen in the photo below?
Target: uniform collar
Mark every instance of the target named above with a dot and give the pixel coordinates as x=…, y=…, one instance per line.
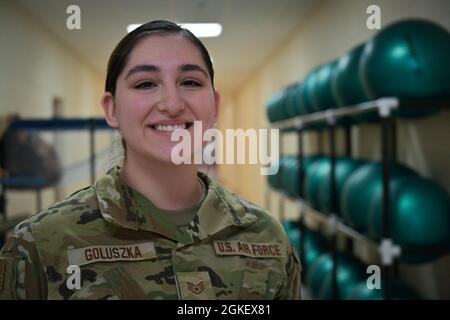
x=121, y=205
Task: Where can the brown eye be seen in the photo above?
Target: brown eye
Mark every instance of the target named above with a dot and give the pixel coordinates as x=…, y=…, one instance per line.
x=145, y=85
x=191, y=83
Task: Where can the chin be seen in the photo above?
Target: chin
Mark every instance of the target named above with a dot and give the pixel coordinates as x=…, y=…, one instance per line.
x=163, y=155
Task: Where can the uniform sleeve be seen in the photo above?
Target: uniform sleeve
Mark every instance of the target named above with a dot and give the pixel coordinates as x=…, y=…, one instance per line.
x=291, y=289
x=21, y=273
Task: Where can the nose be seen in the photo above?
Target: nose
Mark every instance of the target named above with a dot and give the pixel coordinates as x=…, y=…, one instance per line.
x=171, y=100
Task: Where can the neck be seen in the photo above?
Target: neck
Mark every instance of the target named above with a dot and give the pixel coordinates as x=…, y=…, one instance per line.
x=167, y=185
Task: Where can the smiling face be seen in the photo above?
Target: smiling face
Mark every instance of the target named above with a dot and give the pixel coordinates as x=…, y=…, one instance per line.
x=164, y=85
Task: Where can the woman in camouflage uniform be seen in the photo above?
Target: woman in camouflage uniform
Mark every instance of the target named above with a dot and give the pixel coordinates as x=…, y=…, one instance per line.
x=148, y=228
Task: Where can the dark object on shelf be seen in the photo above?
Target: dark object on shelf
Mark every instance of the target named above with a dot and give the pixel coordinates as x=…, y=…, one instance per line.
x=37, y=182
x=26, y=154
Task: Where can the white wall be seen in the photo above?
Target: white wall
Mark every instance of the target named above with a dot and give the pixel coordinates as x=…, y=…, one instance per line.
x=36, y=67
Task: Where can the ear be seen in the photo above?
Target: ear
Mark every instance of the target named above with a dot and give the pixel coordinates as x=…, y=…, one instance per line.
x=216, y=105
x=109, y=110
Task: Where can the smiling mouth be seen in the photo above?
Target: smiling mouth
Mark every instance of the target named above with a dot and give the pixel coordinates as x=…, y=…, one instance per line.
x=170, y=128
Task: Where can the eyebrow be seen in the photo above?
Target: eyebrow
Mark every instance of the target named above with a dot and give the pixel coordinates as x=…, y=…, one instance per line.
x=192, y=67
x=153, y=68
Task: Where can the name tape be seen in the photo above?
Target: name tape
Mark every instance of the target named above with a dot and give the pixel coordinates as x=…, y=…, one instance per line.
x=255, y=250
x=133, y=252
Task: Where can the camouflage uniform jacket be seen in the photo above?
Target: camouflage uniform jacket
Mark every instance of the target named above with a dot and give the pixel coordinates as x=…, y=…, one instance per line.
x=231, y=250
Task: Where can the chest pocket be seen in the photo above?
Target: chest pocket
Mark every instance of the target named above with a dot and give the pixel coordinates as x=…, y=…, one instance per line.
x=124, y=284
x=261, y=279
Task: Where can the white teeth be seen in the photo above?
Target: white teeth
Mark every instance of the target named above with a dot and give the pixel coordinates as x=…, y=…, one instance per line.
x=170, y=127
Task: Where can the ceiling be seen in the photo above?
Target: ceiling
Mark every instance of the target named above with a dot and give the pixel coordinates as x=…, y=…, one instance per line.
x=252, y=29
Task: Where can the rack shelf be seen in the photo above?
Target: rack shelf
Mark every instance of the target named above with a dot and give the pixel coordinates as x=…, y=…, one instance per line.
x=36, y=182
x=60, y=124
x=39, y=124
x=340, y=226
x=336, y=223
x=385, y=109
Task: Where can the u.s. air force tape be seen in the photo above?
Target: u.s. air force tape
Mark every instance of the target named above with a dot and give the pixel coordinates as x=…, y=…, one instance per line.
x=132, y=252
x=255, y=250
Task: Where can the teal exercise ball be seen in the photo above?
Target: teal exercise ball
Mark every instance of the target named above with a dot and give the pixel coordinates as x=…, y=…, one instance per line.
x=349, y=273
x=345, y=166
x=361, y=187
x=310, y=159
x=274, y=179
x=294, y=100
x=308, y=98
x=419, y=215
x=289, y=167
x=407, y=59
x=274, y=106
x=297, y=99
x=288, y=224
x=317, y=273
x=313, y=176
x=288, y=101
x=285, y=103
x=322, y=89
x=314, y=246
x=290, y=176
x=294, y=237
x=346, y=85
x=291, y=182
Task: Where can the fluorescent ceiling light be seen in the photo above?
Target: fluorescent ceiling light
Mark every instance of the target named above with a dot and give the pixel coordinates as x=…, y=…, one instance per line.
x=201, y=30
x=131, y=27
